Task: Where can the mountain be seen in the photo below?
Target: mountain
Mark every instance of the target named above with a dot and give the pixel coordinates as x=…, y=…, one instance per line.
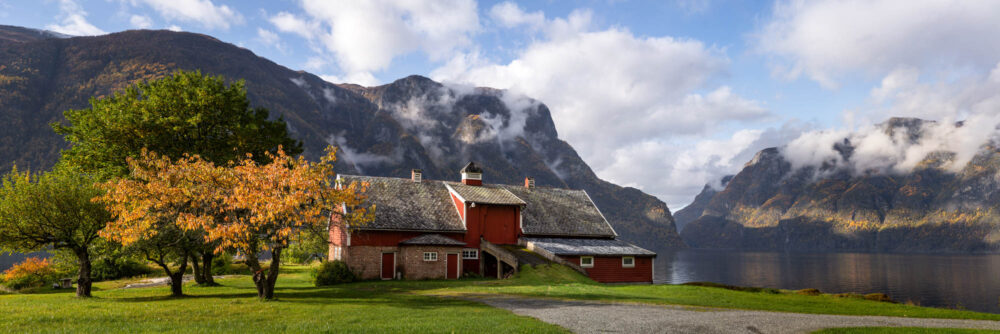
x=772, y=205
x=693, y=211
x=387, y=130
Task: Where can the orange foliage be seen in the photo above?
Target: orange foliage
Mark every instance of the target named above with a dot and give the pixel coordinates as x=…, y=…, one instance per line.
x=248, y=207
x=32, y=272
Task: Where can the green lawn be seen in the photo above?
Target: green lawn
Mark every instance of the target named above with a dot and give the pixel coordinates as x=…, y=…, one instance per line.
x=533, y=282
x=234, y=308
x=391, y=306
x=901, y=330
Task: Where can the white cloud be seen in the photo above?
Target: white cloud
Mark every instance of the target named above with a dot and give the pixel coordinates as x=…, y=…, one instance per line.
x=509, y=14
x=676, y=172
x=365, y=36
x=140, y=21
x=271, y=39
x=73, y=21
x=621, y=100
x=287, y=22
x=360, y=78
x=315, y=63
x=202, y=12
x=174, y=27
x=827, y=39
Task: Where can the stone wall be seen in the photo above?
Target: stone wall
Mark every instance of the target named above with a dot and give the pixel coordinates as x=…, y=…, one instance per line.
x=366, y=261
x=414, y=266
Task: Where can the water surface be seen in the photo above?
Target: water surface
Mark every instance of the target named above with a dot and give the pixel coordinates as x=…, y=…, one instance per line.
x=956, y=281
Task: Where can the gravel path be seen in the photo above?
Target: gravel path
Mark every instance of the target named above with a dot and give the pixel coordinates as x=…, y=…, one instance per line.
x=598, y=317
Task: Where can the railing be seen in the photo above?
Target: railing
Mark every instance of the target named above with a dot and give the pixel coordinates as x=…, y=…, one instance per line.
x=501, y=254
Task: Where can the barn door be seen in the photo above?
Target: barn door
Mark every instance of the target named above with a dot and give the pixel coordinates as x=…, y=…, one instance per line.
x=388, y=265
x=452, y=266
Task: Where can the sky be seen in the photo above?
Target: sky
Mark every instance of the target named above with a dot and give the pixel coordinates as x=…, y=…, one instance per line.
x=665, y=96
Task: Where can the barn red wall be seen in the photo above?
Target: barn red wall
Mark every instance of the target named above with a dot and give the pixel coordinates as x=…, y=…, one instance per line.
x=608, y=269
x=470, y=266
x=495, y=223
x=389, y=238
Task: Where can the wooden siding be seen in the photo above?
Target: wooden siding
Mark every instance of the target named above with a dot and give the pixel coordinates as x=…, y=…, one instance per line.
x=608, y=269
x=495, y=223
x=389, y=238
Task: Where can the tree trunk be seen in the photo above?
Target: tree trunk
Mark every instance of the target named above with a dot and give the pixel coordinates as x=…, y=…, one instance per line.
x=83, y=282
x=258, y=273
x=177, y=284
x=206, y=267
x=198, y=277
x=272, y=274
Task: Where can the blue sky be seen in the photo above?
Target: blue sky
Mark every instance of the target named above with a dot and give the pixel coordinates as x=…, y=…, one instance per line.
x=661, y=95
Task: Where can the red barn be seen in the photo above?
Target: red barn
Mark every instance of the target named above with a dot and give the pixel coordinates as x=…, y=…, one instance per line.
x=438, y=229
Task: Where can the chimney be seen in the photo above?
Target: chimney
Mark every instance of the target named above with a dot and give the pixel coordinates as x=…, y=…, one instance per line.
x=472, y=175
x=529, y=182
x=416, y=175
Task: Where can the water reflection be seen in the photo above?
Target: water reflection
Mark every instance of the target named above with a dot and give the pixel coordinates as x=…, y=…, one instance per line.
x=969, y=281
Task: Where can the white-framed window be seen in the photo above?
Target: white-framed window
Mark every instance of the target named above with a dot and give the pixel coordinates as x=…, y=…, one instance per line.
x=336, y=253
x=587, y=261
x=470, y=254
x=430, y=256
x=628, y=262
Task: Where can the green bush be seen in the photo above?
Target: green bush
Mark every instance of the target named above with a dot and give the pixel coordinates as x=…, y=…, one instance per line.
x=330, y=273
x=112, y=268
x=223, y=264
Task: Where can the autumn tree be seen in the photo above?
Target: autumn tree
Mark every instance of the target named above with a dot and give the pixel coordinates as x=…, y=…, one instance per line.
x=52, y=211
x=184, y=114
x=152, y=203
x=278, y=199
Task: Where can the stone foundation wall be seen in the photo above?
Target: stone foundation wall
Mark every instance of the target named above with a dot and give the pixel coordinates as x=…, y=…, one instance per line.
x=366, y=261
x=414, y=266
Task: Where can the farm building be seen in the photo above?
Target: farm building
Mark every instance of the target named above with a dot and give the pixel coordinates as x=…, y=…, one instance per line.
x=427, y=229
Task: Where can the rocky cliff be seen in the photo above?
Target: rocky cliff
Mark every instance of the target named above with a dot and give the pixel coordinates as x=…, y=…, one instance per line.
x=772, y=205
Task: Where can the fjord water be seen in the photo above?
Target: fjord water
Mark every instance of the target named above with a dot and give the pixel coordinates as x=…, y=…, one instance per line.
x=962, y=281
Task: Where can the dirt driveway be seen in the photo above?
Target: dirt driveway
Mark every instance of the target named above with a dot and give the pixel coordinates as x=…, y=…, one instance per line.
x=598, y=317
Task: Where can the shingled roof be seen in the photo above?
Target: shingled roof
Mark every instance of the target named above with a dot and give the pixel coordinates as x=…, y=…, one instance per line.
x=485, y=194
x=560, y=212
x=401, y=204
x=609, y=247
x=432, y=239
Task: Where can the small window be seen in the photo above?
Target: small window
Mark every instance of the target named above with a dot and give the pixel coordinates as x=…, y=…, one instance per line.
x=430, y=256
x=470, y=254
x=587, y=261
x=336, y=253
x=628, y=262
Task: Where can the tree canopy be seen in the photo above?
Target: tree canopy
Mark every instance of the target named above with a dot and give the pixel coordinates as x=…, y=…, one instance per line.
x=54, y=209
x=249, y=207
x=186, y=113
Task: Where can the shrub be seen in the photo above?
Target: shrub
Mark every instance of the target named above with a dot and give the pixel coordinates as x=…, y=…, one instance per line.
x=108, y=268
x=809, y=292
x=332, y=272
x=33, y=272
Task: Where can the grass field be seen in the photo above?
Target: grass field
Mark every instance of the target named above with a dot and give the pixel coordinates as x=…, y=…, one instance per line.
x=392, y=306
x=234, y=308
